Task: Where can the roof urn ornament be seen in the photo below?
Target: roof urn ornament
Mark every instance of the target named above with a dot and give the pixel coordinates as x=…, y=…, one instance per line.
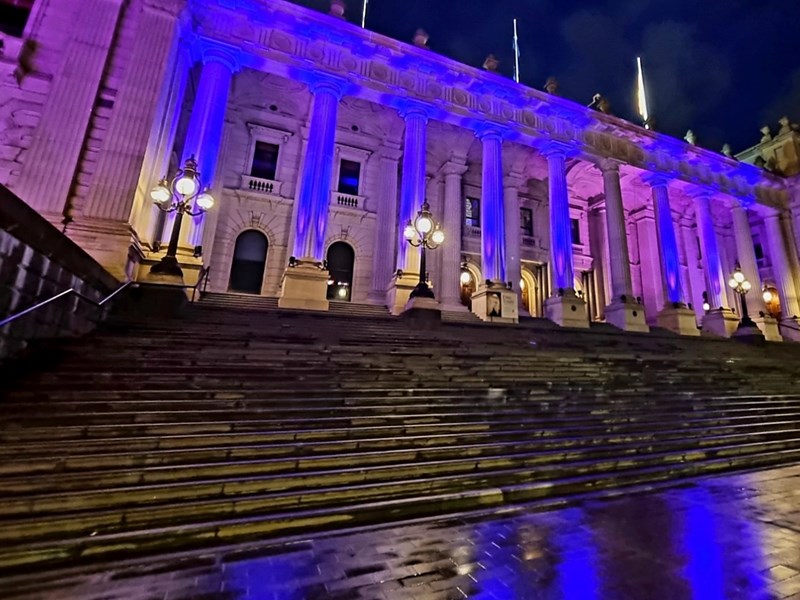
x=690, y=137
x=337, y=8
x=551, y=85
x=491, y=63
x=726, y=150
x=421, y=38
x=766, y=135
x=787, y=126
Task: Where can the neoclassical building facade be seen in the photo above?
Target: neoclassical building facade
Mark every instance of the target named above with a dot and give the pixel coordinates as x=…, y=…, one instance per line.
x=320, y=141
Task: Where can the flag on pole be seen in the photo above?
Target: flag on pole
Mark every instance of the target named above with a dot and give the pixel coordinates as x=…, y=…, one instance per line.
x=364, y=15
x=516, y=53
x=642, y=95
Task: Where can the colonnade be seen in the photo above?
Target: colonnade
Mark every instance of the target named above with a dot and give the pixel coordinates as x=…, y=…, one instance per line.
x=304, y=281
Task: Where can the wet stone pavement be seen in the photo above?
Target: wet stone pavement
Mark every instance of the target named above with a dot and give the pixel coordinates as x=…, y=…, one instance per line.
x=712, y=539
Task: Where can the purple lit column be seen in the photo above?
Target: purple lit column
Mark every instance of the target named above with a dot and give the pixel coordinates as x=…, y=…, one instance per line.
x=511, y=185
x=619, y=259
x=315, y=182
x=204, y=135
x=781, y=268
x=715, y=277
x=412, y=190
x=667, y=243
x=492, y=217
x=450, y=287
x=562, y=267
x=746, y=254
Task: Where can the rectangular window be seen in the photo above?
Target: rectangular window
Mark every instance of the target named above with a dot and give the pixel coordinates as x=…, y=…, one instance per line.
x=265, y=161
x=759, y=251
x=473, y=212
x=14, y=16
x=349, y=177
x=526, y=221
x=575, y=226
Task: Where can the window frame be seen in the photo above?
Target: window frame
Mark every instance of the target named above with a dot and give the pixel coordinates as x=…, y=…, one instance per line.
x=269, y=135
x=526, y=232
x=357, y=155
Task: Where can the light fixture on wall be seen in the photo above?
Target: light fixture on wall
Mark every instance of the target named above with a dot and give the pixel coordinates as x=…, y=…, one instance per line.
x=177, y=195
x=422, y=233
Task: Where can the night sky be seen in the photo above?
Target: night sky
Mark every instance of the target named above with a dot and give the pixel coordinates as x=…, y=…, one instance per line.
x=722, y=68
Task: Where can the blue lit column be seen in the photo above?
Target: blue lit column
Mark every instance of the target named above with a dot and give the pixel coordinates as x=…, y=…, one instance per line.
x=204, y=135
x=412, y=190
x=674, y=316
x=621, y=311
x=564, y=307
x=493, y=249
x=315, y=181
x=782, y=273
x=715, y=277
x=412, y=196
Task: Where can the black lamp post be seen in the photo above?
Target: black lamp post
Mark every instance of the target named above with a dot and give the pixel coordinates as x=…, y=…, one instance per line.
x=739, y=283
x=177, y=196
x=423, y=234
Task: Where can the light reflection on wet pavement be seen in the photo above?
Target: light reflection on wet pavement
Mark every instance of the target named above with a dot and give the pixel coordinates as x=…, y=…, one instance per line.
x=718, y=538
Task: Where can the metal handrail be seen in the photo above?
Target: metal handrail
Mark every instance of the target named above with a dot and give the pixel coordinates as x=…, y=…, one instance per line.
x=202, y=278
x=70, y=291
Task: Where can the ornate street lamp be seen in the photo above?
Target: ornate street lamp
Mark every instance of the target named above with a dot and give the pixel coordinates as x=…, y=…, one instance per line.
x=177, y=196
x=739, y=284
x=422, y=233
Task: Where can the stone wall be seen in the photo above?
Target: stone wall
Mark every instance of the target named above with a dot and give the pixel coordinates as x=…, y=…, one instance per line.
x=37, y=262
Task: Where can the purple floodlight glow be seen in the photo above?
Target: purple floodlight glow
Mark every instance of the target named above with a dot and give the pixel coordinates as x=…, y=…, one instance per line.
x=412, y=192
x=670, y=259
x=560, y=225
x=492, y=215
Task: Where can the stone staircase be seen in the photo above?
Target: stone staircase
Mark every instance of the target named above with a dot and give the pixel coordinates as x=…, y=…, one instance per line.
x=241, y=422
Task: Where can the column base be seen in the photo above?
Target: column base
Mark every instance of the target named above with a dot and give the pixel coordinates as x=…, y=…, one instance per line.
x=790, y=329
x=423, y=313
x=626, y=316
x=305, y=286
x=399, y=292
x=680, y=320
x=495, y=303
x=769, y=327
x=720, y=321
x=567, y=311
x=749, y=333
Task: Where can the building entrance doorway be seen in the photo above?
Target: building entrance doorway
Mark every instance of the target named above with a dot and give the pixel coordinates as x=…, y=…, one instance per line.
x=249, y=261
x=341, y=260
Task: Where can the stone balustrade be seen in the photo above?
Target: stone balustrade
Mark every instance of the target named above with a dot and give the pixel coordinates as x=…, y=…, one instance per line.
x=37, y=262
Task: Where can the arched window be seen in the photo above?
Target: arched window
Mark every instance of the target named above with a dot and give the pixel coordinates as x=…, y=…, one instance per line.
x=341, y=258
x=249, y=260
x=469, y=284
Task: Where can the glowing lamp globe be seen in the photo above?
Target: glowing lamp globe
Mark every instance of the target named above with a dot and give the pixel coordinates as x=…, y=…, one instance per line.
x=424, y=224
x=409, y=233
x=342, y=292
x=466, y=277
x=738, y=276
x=161, y=194
x=205, y=201
x=438, y=236
x=706, y=306
x=746, y=285
x=186, y=186
x=733, y=283
x=767, y=296
x=522, y=284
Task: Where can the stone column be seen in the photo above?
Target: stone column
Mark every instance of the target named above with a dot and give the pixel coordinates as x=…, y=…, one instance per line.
x=782, y=272
x=511, y=185
x=103, y=227
x=412, y=196
x=52, y=158
x=305, y=281
x=493, y=301
x=674, y=316
x=204, y=135
x=746, y=256
x=720, y=320
x=383, y=257
x=450, y=288
x=621, y=311
x=564, y=307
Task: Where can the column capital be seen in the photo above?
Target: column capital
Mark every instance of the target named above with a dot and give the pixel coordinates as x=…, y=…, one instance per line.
x=607, y=165
x=411, y=110
x=390, y=152
x=319, y=83
x=208, y=51
x=557, y=149
x=454, y=166
x=490, y=131
x=514, y=180
x=701, y=194
x=656, y=179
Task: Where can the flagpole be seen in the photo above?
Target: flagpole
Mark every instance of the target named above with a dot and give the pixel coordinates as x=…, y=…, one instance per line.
x=643, y=110
x=364, y=15
x=516, y=53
